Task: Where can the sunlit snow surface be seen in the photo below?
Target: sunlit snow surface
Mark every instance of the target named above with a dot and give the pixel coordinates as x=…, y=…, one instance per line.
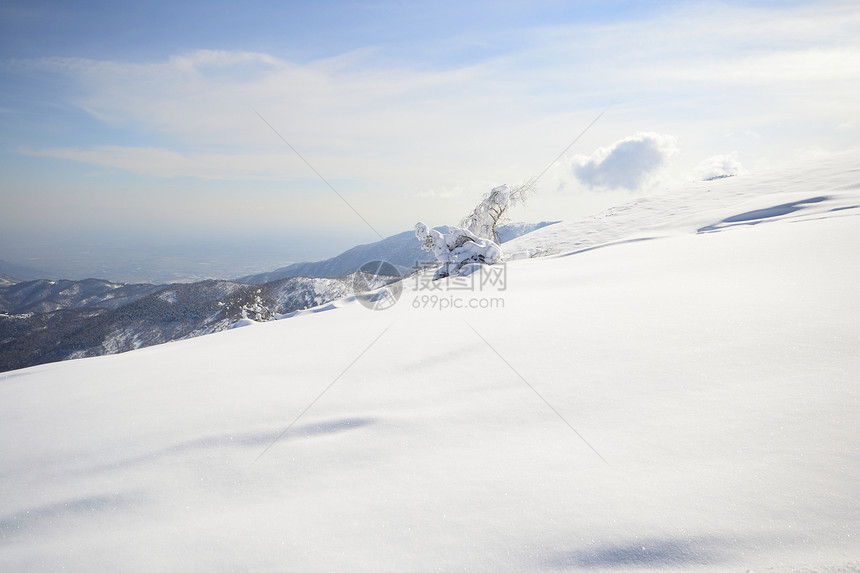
x=675, y=389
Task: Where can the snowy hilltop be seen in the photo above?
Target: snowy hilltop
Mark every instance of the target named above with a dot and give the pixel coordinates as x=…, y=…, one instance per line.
x=672, y=388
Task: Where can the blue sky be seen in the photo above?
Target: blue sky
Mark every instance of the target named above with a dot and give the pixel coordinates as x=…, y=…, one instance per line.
x=127, y=129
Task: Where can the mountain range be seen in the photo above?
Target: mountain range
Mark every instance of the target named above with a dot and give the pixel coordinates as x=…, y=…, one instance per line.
x=45, y=320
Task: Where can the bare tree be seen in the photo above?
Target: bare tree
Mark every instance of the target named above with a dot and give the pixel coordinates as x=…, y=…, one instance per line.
x=493, y=208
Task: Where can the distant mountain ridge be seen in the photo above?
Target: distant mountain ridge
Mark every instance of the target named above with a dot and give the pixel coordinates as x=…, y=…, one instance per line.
x=6, y=280
x=402, y=250
x=50, y=295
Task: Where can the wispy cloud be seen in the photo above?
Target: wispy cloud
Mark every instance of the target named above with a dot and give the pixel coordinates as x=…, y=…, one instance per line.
x=166, y=163
x=356, y=119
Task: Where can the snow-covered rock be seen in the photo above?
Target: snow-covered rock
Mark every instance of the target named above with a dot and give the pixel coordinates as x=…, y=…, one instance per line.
x=456, y=248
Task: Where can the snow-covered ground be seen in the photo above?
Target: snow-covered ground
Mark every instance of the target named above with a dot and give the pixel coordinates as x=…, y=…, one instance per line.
x=675, y=389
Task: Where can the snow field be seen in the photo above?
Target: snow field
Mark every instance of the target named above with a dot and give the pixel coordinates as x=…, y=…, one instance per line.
x=715, y=372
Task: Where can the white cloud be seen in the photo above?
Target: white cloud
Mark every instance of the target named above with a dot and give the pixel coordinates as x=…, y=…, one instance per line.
x=626, y=164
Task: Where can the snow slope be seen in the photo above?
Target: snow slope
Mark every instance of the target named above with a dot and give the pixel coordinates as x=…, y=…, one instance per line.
x=683, y=398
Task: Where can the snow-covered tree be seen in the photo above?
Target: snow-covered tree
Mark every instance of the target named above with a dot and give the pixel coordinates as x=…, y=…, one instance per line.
x=457, y=248
x=257, y=309
x=493, y=209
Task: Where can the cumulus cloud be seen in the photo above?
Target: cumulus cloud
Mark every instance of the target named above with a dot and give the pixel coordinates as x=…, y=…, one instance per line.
x=718, y=166
x=626, y=164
